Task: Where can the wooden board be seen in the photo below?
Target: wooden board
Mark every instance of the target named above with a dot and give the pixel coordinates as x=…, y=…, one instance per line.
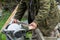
x=50, y=38
x=40, y=36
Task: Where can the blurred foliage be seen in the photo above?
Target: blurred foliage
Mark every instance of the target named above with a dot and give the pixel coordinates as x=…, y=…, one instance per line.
x=4, y=18
x=9, y=4
x=2, y=36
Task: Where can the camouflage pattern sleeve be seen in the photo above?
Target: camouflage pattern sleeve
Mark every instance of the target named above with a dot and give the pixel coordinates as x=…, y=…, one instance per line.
x=21, y=10
x=47, y=17
x=43, y=11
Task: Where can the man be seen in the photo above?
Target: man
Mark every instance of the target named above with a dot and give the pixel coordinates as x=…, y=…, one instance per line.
x=47, y=17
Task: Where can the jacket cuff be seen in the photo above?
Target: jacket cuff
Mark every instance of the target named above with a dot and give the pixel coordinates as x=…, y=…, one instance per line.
x=35, y=22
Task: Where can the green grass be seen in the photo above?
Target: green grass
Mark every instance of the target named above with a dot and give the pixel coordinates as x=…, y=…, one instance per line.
x=2, y=36
x=3, y=19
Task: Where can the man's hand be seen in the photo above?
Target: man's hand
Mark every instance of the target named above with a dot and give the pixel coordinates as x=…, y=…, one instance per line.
x=15, y=21
x=33, y=25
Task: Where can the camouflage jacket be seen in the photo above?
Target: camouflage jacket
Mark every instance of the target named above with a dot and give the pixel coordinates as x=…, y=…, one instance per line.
x=47, y=17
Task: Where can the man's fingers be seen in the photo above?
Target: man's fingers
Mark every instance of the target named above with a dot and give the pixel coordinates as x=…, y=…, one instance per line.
x=32, y=25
